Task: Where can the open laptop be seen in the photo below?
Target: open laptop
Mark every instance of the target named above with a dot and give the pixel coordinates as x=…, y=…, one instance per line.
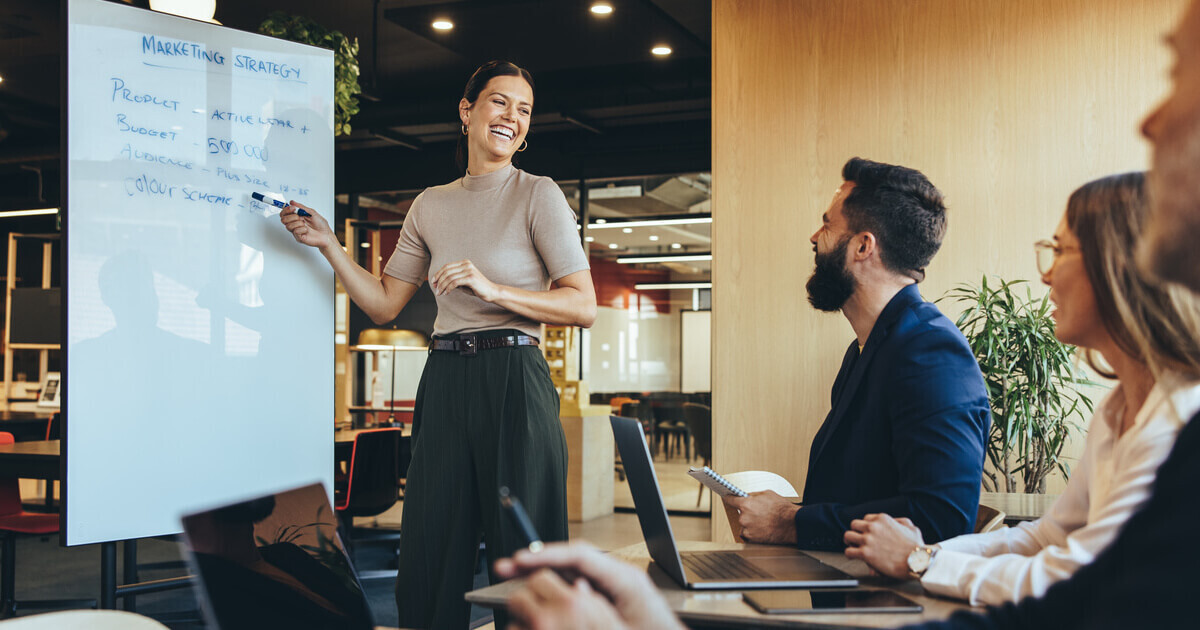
x=275, y=562
x=759, y=567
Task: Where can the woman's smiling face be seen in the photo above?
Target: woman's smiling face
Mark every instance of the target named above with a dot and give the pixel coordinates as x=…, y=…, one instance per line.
x=499, y=119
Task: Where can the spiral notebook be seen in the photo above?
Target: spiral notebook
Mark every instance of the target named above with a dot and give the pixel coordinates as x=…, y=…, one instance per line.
x=715, y=482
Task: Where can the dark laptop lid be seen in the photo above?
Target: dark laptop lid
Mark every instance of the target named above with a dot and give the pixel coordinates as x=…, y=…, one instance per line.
x=647, y=497
x=275, y=562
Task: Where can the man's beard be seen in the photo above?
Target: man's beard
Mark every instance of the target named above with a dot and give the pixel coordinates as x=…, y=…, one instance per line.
x=1168, y=247
x=831, y=283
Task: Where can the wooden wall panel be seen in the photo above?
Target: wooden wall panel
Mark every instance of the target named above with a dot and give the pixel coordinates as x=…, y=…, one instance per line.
x=1007, y=106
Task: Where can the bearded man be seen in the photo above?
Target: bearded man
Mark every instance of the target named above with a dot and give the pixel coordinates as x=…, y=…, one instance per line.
x=909, y=414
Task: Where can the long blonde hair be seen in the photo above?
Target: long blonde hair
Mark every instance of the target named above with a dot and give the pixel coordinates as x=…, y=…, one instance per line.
x=1153, y=322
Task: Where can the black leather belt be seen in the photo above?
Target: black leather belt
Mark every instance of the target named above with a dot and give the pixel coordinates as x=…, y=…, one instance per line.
x=469, y=344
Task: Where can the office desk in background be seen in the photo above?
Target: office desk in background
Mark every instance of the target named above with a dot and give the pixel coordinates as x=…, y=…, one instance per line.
x=25, y=425
x=30, y=460
x=726, y=608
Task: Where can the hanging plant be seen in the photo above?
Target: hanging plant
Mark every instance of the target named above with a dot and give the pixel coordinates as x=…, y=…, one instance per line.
x=297, y=28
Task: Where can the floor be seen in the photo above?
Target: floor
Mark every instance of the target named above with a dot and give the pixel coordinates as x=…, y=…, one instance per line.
x=47, y=570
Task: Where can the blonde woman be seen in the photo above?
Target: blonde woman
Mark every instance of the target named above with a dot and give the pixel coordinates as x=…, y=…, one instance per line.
x=1149, y=335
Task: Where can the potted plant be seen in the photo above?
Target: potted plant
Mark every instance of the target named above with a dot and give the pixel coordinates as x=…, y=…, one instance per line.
x=1032, y=380
x=345, y=60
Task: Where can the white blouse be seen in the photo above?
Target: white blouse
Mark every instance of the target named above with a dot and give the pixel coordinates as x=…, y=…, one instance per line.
x=1112, y=479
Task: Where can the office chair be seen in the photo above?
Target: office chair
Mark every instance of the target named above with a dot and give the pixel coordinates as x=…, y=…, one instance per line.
x=698, y=419
x=372, y=482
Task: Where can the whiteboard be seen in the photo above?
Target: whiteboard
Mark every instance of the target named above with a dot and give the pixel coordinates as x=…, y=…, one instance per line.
x=695, y=363
x=199, y=334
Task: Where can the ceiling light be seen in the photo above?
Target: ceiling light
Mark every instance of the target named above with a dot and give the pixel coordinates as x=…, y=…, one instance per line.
x=202, y=10
x=662, y=50
x=651, y=286
x=443, y=24
x=676, y=246
x=661, y=258
x=601, y=8
x=28, y=213
x=615, y=192
x=653, y=221
x=654, y=237
x=589, y=239
x=612, y=246
x=627, y=230
x=1, y=79
x=364, y=245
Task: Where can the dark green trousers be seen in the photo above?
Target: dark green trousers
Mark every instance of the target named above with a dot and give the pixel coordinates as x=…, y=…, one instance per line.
x=480, y=422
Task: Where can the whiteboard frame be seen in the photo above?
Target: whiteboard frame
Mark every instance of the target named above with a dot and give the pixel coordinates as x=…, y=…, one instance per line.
x=325, y=473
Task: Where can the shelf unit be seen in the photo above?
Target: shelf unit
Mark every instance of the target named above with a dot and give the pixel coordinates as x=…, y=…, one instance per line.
x=43, y=349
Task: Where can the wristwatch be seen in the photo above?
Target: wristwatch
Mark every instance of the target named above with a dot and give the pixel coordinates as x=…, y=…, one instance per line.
x=919, y=560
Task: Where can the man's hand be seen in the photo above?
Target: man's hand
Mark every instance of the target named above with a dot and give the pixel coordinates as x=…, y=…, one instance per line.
x=765, y=517
x=627, y=590
x=546, y=602
x=883, y=543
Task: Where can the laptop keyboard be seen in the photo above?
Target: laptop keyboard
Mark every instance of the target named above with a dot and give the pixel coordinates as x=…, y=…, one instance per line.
x=721, y=565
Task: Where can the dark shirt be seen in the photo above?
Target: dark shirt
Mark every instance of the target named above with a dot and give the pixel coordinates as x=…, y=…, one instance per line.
x=906, y=432
x=1147, y=578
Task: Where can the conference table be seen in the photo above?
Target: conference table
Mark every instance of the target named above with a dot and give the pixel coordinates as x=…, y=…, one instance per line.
x=30, y=460
x=727, y=610
x=25, y=425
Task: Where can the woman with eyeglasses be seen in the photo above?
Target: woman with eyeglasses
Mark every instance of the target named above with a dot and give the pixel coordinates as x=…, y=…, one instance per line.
x=1148, y=335
x=500, y=249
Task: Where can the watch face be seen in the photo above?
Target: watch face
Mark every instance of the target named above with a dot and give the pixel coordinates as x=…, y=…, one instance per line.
x=918, y=560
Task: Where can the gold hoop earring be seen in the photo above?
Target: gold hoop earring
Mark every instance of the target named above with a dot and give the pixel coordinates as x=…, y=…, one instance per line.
x=464, y=129
x=524, y=145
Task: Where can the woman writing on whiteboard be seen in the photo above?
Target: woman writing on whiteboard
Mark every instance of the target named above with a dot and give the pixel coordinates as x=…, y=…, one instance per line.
x=503, y=256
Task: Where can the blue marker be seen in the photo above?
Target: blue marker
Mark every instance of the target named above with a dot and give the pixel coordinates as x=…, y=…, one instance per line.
x=277, y=203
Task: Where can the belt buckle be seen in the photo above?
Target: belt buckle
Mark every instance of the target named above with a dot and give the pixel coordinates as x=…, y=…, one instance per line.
x=468, y=345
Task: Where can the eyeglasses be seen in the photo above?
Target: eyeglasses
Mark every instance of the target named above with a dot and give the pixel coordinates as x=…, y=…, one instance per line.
x=1047, y=253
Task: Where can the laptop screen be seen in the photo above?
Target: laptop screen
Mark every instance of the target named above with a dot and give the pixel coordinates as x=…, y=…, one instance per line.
x=647, y=498
x=275, y=562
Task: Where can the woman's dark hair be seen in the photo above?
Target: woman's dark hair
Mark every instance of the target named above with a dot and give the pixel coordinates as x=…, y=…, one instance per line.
x=904, y=211
x=479, y=79
x=1152, y=322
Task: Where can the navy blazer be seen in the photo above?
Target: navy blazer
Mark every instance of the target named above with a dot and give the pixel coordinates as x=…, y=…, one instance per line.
x=906, y=432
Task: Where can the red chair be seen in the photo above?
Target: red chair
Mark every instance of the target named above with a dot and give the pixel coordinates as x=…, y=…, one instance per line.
x=15, y=520
x=372, y=480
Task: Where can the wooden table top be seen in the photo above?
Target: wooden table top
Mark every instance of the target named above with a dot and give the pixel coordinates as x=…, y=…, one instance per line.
x=40, y=449
x=30, y=460
x=347, y=435
x=726, y=608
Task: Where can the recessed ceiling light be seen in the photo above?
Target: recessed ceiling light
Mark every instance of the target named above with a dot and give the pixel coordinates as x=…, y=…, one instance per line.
x=612, y=245
x=364, y=245
x=676, y=246
x=662, y=50
x=654, y=237
x=627, y=230
x=601, y=221
x=443, y=24
x=589, y=239
x=601, y=8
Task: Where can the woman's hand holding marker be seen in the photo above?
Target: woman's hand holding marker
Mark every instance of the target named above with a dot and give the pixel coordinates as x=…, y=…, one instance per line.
x=307, y=226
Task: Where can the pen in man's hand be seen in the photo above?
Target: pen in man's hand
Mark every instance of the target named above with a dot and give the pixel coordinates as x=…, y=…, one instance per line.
x=512, y=505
